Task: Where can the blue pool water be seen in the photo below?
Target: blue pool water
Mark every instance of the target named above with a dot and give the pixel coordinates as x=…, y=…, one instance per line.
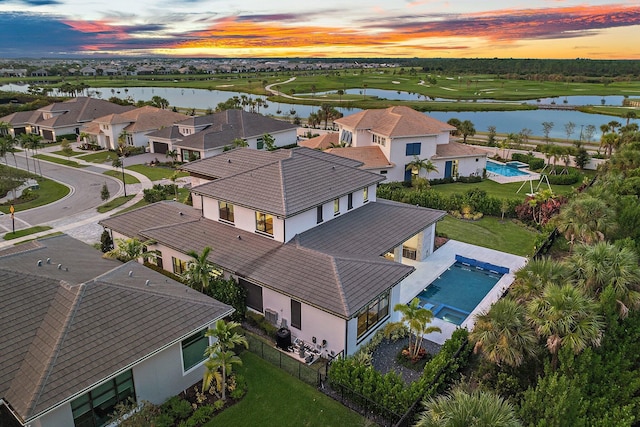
x=504, y=170
x=457, y=292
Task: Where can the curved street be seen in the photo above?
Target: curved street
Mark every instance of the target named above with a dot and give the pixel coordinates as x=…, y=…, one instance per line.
x=74, y=214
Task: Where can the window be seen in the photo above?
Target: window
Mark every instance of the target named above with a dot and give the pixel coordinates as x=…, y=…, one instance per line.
x=319, y=215
x=350, y=201
x=226, y=211
x=413, y=149
x=158, y=260
x=296, y=314
x=346, y=137
x=373, y=314
x=264, y=223
x=193, y=350
x=93, y=408
x=365, y=194
x=254, y=295
x=179, y=266
x=379, y=140
x=336, y=207
x=259, y=143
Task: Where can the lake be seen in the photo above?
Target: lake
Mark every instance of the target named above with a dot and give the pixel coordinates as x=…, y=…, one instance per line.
x=504, y=121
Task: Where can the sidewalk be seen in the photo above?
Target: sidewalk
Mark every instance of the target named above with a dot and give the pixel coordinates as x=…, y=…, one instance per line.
x=84, y=226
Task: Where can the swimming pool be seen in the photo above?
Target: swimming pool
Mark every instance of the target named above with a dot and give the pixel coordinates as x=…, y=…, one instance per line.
x=504, y=170
x=458, y=291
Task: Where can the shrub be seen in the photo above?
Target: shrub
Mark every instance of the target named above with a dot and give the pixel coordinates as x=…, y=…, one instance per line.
x=239, y=388
x=177, y=407
x=164, y=420
x=202, y=415
x=68, y=136
x=261, y=322
x=564, y=179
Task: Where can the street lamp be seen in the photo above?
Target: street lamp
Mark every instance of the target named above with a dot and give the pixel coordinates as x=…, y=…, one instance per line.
x=118, y=162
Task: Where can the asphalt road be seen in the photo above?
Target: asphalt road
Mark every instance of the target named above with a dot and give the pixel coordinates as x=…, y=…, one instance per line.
x=84, y=196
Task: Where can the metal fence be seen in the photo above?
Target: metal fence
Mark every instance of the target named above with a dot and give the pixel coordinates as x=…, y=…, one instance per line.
x=268, y=352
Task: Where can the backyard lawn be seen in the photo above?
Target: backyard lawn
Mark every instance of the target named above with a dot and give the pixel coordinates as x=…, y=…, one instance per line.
x=495, y=189
x=490, y=232
x=275, y=398
x=129, y=179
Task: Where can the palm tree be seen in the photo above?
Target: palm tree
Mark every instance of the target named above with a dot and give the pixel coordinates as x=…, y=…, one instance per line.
x=586, y=219
x=461, y=408
x=418, y=164
x=565, y=317
x=24, y=143
x=127, y=250
x=199, y=270
x=531, y=279
x=602, y=266
x=172, y=154
x=503, y=335
x=417, y=319
x=221, y=357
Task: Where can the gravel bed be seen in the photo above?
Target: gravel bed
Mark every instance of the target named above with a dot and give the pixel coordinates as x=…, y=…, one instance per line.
x=384, y=357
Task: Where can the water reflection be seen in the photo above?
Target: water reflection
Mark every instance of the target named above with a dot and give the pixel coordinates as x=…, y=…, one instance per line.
x=504, y=121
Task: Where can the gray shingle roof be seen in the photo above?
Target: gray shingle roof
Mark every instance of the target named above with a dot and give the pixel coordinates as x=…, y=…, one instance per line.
x=338, y=284
x=296, y=183
x=61, y=338
x=80, y=110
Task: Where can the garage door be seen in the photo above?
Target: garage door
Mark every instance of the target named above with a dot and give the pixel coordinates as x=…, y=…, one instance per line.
x=47, y=134
x=160, y=147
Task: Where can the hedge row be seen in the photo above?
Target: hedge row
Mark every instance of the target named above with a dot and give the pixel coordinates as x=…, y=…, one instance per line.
x=534, y=163
x=389, y=392
x=475, y=198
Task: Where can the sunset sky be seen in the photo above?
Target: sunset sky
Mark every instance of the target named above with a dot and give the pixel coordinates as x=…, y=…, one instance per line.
x=321, y=29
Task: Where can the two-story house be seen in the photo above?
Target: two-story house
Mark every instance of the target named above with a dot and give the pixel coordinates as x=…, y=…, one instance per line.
x=301, y=231
x=199, y=137
x=61, y=118
x=132, y=125
x=399, y=135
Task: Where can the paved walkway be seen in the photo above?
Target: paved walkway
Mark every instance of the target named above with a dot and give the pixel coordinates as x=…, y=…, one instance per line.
x=437, y=263
x=84, y=225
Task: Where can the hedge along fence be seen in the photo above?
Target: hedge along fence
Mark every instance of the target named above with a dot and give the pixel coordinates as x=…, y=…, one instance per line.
x=387, y=394
x=476, y=198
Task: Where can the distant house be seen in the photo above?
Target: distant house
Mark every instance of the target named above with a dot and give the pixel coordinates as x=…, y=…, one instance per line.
x=61, y=118
x=135, y=124
x=39, y=73
x=88, y=71
x=302, y=232
x=401, y=134
x=200, y=137
x=81, y=334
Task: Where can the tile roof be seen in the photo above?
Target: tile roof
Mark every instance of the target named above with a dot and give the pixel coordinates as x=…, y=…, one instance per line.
x=301, y=181
x=456, y=149
x=321, y=142
x=331, y=283
x=159, y=214
x=147, y=118
x=61, y=337
x=21, y=118
x=240, y=160
x=79, y=110
x=371, y=157
x=395, y=121
x=370, y=230
x=223, y=127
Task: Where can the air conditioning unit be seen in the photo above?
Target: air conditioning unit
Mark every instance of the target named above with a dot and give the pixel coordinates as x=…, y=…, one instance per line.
x=271, y=316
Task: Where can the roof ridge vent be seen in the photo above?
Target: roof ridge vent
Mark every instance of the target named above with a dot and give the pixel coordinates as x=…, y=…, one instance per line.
x=39, y=263
x=48, y=260
x=130, y=273
x=147, y=282
x=59, y=266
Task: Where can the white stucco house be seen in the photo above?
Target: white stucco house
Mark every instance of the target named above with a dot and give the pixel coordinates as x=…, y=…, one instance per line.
x=61, y=118
x=134, y=125
x=301, y=231
x=400, y=134
x=81, y=334
x=200, y=137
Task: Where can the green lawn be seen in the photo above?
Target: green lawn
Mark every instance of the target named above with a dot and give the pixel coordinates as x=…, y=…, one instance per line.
x=275, y=398
x=26, y=232
x=65, y=162
x=495, y=189
x=73, y=154
x=112, y=204
x=490, y=232
x=129, y=179
x=49, y=192
x=155, y=173
x=98, y=156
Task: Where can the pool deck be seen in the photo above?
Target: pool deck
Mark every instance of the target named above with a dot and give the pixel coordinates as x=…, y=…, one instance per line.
x=501, y=179
x=438, y=262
